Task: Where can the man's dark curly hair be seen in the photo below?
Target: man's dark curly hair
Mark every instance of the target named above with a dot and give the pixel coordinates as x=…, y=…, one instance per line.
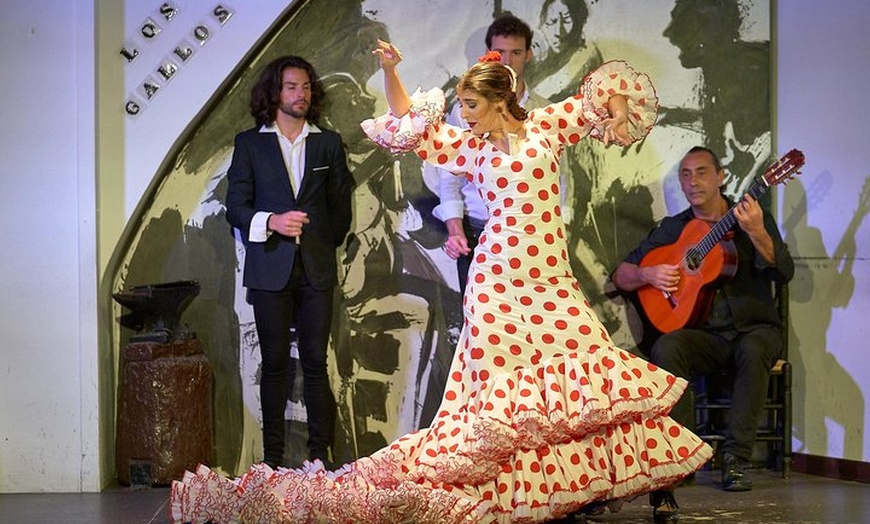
x=508, y=25
x=266, y=93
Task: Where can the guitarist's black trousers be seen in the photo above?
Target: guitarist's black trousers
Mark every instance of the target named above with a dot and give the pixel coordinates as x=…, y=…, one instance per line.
x=688, y=353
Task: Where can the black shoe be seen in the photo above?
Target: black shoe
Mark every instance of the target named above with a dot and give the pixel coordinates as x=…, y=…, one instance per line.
x=665, y=508
x=734, y=476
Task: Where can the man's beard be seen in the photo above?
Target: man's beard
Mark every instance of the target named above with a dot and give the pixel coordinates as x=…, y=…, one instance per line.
x=292, y=110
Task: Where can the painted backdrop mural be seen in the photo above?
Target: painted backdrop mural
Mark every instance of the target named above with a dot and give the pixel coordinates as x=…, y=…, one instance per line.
x=399, y=309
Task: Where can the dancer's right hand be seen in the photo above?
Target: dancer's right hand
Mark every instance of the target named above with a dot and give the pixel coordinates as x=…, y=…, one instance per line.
x=389, y=55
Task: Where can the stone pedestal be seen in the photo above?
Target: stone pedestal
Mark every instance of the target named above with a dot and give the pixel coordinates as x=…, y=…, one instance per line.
x=164, y=422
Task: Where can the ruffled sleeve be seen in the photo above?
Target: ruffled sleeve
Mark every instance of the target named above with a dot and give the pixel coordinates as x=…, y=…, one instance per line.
x=424, y=131
x=403, y=134
x=619, y=78
x=584, y=113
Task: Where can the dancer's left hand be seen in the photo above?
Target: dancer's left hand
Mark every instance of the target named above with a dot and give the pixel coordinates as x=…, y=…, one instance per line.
x=616, y=131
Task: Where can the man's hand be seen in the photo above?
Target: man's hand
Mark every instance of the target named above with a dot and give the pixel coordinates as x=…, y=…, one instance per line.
x=749, y=216
x=288, y=224
x=663, y=276
x=456, y=246
x=457, y=243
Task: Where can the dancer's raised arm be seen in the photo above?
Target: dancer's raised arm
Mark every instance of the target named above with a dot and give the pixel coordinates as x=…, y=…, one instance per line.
x=397, y=95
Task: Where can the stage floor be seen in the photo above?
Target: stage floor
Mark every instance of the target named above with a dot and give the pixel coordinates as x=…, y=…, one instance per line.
x=804, y=499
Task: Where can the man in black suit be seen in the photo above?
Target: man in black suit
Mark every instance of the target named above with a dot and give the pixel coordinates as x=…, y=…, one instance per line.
x=289, y=194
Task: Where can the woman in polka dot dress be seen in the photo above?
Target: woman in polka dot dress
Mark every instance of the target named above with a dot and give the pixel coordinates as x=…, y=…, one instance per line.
x=542, y=416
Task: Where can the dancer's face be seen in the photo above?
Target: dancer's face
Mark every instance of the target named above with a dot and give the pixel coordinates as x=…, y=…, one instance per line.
x=481, y=115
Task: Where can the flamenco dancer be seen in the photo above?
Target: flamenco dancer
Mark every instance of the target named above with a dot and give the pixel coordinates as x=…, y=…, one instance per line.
x=543, y=419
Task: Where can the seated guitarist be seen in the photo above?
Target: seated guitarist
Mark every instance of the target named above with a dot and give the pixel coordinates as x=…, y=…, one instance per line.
x=741, y=330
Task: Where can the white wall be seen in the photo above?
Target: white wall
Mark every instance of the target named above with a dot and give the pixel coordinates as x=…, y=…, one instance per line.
x=50, y=365
x=823, y=79
x=49, y=428
x=48, y=324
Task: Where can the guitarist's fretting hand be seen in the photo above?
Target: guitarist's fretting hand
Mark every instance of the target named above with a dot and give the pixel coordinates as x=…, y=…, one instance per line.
x=751, y=220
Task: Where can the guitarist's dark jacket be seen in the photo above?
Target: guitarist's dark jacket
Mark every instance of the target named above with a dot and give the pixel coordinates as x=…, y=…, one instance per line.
x=745, y=301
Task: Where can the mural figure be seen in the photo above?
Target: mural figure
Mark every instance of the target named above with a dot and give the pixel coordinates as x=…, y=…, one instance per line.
x=734, y=117
x=601, y=230
x=170, y=248
x=389, y=322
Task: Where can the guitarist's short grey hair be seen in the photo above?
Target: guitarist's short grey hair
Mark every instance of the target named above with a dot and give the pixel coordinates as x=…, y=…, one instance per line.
x=699, y=149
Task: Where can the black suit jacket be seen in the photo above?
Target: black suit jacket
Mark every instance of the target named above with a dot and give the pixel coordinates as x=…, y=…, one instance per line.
x=258, y=181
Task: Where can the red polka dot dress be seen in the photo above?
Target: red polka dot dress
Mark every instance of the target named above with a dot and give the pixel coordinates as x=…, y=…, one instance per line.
x=542, y=414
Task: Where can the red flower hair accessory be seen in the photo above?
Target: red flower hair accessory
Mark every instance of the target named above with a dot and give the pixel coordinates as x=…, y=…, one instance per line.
x=495, y=56
x=490, y=56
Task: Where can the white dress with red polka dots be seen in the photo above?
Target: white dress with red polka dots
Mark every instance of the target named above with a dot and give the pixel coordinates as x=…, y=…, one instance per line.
x=542, y=414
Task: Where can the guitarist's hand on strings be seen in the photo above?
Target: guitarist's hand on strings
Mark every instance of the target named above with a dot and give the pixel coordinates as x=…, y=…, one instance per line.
x=750, y=218
x=663, y=276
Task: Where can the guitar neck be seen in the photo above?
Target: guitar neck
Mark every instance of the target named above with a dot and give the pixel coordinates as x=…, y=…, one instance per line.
x=724, y=225
x=780, y=171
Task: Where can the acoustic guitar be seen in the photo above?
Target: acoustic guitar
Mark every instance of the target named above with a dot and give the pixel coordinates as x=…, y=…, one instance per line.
x=705, y=257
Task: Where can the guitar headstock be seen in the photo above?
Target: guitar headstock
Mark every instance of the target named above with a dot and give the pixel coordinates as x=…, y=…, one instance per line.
x=785, y=168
